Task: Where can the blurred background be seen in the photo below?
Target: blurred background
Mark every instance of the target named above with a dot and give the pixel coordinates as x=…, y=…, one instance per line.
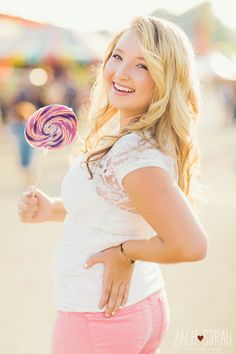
x=48, y=53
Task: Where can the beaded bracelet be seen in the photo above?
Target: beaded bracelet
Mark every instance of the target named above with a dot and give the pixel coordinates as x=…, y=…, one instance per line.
x=123, y=252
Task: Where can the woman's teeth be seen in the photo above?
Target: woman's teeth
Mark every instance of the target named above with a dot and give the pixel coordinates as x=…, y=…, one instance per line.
x=122, y=89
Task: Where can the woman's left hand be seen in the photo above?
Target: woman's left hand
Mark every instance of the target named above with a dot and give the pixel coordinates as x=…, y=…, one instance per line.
x=116, y=278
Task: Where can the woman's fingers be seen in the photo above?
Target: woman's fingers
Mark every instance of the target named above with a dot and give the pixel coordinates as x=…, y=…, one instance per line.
x=28, y=198
x=112, y=300
x=119, y=299
x=26, y=215
x=27, y=207
x=26, y=219
x=125, y=294
x=106, y=289
x=26, y=210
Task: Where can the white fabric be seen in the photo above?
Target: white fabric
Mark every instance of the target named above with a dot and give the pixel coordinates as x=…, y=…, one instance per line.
x=100, y=215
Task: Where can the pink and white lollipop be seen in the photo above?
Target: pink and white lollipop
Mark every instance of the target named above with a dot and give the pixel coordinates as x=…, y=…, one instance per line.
x=51, y=127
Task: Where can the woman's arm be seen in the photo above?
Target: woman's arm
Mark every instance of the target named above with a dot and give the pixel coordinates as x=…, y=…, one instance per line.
x=58, y=212
x=181, y=237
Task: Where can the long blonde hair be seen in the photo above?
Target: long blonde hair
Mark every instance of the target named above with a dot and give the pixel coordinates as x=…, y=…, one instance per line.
x=173, y=112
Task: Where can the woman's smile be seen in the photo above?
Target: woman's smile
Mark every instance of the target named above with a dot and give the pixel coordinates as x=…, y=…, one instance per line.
x=120, y=90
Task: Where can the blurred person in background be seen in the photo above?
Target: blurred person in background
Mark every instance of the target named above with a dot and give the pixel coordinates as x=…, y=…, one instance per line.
x=62, y=89
x=27, y=100
x=24, y=152
x=3, y=112
x=126, y=199
x=228, y=96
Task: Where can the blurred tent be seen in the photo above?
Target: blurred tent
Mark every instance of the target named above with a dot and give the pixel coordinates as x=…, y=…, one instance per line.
x=213, y=42
x=204, y=29
x=216, y=66
x=28, y=42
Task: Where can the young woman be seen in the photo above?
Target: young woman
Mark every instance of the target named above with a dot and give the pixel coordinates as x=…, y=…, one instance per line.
x=126, y=198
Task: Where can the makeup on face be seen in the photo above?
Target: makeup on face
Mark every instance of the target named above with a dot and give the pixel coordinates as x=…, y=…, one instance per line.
x=129, y=83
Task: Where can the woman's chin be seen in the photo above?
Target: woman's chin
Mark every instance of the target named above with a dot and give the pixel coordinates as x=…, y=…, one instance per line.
x=119, y=105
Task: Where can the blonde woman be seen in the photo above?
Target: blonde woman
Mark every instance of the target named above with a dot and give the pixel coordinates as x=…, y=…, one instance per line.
x=126, y=199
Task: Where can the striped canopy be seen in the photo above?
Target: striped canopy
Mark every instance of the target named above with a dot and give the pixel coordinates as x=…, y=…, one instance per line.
x=31, y=42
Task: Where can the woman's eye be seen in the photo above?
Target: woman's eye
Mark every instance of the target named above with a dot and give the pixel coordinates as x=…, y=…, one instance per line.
x=143, y=66
x=116, y=55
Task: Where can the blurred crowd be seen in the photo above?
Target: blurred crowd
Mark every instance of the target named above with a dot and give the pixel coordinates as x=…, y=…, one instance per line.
x=25, y=96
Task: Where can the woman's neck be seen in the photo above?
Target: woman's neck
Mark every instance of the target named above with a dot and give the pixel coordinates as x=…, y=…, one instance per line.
x=125, y=120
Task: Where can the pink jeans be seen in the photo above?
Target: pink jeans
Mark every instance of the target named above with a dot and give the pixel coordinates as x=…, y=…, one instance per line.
x=135, y=329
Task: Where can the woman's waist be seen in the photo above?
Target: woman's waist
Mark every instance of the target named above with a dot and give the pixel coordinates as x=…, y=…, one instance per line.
x=90, y=305
x=81, y=282
x=116, y=226
x=71, y=265
x=71, y=297
x=85, y=243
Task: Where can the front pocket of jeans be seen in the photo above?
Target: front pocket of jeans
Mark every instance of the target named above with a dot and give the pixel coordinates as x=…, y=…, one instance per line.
x=132, y=309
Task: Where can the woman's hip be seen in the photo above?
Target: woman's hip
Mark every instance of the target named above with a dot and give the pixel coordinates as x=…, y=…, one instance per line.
x=131, y=330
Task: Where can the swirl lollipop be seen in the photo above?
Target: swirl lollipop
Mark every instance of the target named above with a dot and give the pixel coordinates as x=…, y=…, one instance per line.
x=51, y=127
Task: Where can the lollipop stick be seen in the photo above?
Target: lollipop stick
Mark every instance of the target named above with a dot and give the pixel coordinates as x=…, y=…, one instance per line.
x=39, y=170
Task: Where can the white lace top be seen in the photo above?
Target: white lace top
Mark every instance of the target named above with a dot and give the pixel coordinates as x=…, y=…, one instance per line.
x=100, y=215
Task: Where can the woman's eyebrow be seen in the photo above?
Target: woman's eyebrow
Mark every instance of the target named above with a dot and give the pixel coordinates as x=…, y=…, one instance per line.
x=120, y=50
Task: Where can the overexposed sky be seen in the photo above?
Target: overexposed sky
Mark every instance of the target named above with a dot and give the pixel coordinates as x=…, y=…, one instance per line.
x=92, y=15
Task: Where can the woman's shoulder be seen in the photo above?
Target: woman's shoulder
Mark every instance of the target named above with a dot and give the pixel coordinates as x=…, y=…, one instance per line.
x=136, y=142
x=136, y=146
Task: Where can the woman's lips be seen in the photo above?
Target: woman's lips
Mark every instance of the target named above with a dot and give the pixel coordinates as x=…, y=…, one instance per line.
x=119, y=93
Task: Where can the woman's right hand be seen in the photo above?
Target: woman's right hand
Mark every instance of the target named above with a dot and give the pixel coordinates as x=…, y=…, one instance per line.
x=34, y=206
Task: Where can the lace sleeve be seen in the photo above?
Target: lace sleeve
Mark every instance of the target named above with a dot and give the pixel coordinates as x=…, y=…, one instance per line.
x=129, y=155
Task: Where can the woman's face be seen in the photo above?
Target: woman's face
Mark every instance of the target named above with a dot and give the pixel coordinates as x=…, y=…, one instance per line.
x=127, y=71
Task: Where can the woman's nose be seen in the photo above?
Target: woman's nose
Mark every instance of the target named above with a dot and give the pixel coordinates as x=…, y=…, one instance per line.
x=122, y=73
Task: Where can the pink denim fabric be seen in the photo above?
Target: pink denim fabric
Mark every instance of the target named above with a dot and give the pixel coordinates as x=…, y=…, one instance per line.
x=136, y=329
